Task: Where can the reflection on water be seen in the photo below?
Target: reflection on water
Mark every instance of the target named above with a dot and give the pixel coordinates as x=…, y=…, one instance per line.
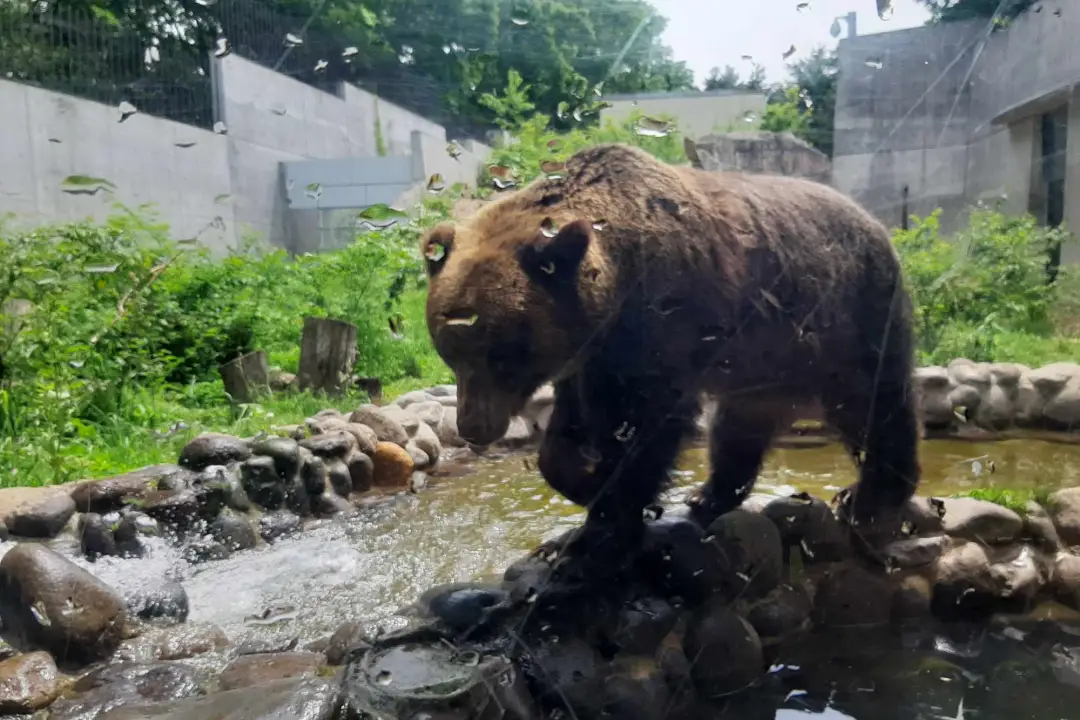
x=466, y=528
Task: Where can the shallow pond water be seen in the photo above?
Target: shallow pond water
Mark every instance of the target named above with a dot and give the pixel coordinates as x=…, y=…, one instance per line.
x=466, y=528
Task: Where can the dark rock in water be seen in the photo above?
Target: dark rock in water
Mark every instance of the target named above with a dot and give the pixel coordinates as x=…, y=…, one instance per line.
x=313, y=475
x=280, y=643
x=226, y=478
x=337, y=472
x=28, y=683
x=204, y=550
x=749, y=552
x=174, y=481
x=289, y=699
x=42, y=519
x=248, y=670
x=108, y=494
x=330, y=504
x=348, y=638
x=276, y=525
x=187, y=640
x=635, y=689
x=234, y=531
x=849, y=595
x=284, y=451
x=361, y=470
x=463, y=606
x=643, y=625
x=808, y=523
x=128, y=531
x=572, y=673
x=168, y=601
x=213, y=449
x=725, y=650
x=676, y=560
x=780, y=614
x=95, y=536
x=177, y=508
x=297, y=499
x=332, y=445
x=49, y=602
x=149, y=681
x=260, y=481
x=409, y=681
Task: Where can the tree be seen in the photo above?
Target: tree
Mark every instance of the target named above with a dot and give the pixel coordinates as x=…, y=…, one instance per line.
x=786, y=115
x=952, y=10
x=815, y=78
x=726, y=80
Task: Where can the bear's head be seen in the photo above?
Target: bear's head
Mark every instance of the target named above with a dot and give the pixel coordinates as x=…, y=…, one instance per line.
x=514, y=299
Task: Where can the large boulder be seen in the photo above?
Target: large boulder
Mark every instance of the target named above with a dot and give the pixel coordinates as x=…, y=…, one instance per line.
x=42, y=519
x=213, y=449
x=28, y=683
x=49, y=602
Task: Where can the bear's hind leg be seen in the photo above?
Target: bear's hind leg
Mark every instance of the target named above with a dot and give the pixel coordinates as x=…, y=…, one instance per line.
x=739, y=438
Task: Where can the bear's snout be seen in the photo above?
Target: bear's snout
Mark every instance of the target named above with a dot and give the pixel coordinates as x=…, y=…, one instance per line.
x=482, y=420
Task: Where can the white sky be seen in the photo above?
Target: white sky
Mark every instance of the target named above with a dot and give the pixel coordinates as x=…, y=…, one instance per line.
x=715, y=33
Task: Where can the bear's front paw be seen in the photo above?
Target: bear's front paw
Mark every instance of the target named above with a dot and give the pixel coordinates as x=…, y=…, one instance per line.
x=704, y=508
x=597, y=555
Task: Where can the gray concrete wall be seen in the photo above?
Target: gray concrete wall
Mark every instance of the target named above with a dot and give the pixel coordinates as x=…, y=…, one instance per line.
x=697, y=114
x=217, y=186
x=954, y=118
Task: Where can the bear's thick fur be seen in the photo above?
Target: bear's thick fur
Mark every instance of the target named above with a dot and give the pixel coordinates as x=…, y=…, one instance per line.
x=637, y=287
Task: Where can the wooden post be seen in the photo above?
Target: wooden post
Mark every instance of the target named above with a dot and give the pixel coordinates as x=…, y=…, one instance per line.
x=327, y=355
x=246, y=377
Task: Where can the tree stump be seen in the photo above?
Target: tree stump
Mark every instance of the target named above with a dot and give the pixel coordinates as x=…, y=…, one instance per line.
x=246, y=377
x=327, y=355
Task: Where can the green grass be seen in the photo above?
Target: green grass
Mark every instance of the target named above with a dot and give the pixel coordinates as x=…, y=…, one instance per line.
x=1015, y=499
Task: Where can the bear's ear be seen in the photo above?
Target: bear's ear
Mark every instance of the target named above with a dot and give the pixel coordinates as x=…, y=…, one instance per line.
x=435, y=246
x=558, y=253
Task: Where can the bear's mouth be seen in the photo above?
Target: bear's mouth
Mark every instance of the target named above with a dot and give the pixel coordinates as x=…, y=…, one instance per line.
x=484, y=413
x=460, y=317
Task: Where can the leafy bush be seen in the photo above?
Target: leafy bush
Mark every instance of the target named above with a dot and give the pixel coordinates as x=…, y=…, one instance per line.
x=985, y=284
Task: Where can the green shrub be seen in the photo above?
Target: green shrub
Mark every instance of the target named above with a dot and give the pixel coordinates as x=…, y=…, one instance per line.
x=985, y=284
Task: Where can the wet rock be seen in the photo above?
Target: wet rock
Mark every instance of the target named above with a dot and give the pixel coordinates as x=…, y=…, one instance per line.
x=912, y=598
x=95, y=536
x=678, y=561
x=167, y=601
x=518, y=434
x=204, y=549
x=915, y=551
x=366, y=438
x=971, y=579
x=419, y=458
x=1064, y=509
x=572, y=674
x=313, y=475
x=227, y=480
x=234, y=531
x=412, y=398
x=108, y=494
x=337, y=472
x=402, y=416
x=185, y=641
x=329, y=445
x=409, y=681
x=330, y=504
x=28, y=683
x=848, y=595
x=724, y=650
x=307, y=698
x=429, y=412
x=4, y=533
x=261, y=483
x=426, y=439
x=447, y=429
x=981, y=520
x=49, y=602
x=42, y=519
x=463, y=606
x=635, y=689
x=349, y=638
x=386, y=429
x=1039, y=526
x=265, y=645
x=1066, y=578
x=749, y=550
x=275, y=525
x=642, y=626
x=285, y=453
x=809, y=523
x=392, y=466
x=782, y=613
x=361, y=471
x=213, y=449
x=148, y=681
x=176, y=508
x=923, y=515
x=248, y=670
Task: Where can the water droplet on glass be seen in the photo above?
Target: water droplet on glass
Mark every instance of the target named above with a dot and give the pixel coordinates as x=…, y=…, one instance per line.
x=55, y=140
x=435, y=252
x=405, y=57
x=501, y=171
x=600, y=225
x=885, y=9
x=748, y=58
x=85, y=185
x=501, y=184
x=651, y=513
x=321, y=65
x=651, y=127
x=293, y=40
x=578, y=114
x=101, y=269
x=625, y=432
x=222, y=47
x=126, y=110
x=874, y=63
x=463, y=321
x=382, y=211
x=835, y=28
x=599, y=89
x=350, y=52
x=749, y=116
x=549, y=228
x=554, y=169
x=454, y=149
x=803, y=6
x=314, y=191
x=532, y=596
x=384, y=678
x=976, y=468
x=184, y=143
x=548, y=268
x=219, y=128
x=520, y=17
x=553, y=145
x=469, y=658
x=789, y=52
x=794, y=694
x=436, y=184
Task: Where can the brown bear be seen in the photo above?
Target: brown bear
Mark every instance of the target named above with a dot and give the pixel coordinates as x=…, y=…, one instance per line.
x=637, y=288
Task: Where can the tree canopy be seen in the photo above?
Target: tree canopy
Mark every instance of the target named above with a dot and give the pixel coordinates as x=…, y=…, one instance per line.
x=952, y=10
